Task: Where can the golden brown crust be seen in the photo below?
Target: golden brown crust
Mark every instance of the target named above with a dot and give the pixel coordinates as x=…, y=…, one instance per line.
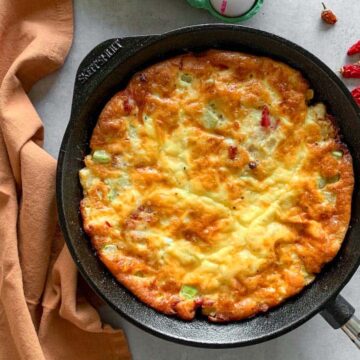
x=220, y=176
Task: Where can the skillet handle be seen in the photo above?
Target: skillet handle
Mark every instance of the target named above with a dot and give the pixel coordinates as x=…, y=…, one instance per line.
x=340, y=314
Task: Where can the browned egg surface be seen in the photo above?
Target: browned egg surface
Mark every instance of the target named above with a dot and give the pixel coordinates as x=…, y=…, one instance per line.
x=212, y=183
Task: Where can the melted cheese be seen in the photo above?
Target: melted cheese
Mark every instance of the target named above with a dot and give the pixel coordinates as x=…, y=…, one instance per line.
x=198, y=192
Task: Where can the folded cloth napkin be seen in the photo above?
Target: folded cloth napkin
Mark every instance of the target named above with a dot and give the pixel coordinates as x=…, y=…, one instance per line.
x=45, y=310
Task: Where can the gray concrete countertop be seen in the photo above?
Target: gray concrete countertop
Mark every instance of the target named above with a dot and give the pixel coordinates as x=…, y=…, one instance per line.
x=298, y=21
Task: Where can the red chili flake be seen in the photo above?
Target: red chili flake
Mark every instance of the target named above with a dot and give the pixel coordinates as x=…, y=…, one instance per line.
x=232, y=152
x=351, y=71
x=356, y=94
x=128, y=106
x=108, y=224
x=354, y=49
x=265, y=117
x=328, y=16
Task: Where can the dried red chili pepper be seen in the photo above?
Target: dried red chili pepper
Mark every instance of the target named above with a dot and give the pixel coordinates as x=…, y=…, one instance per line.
x=265, y=117
x=356, y=95
x=354, y=49
x=328, y=16
x=351, y=71
x=232, y=152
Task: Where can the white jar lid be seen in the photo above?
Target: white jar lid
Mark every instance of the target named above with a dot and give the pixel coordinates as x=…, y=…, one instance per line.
x=232, y=8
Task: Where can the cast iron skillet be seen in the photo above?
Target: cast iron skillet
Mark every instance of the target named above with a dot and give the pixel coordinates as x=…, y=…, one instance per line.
x=104, y=71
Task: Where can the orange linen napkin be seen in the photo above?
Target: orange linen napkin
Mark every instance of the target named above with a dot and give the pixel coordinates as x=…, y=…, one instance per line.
x=44, y=310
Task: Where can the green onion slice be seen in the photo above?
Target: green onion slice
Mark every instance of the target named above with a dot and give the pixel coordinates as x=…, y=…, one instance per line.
x=112, y=194
x=210, y=118
x=101, y=156
x=338, y=154
x=186, y=78
x=188, y=292
x=110, y=248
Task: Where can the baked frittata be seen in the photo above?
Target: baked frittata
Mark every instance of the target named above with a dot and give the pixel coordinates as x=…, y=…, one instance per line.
x=215, y=184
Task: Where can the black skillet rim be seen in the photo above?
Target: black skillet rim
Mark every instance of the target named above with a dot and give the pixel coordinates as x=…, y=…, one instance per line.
x=152, y=330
